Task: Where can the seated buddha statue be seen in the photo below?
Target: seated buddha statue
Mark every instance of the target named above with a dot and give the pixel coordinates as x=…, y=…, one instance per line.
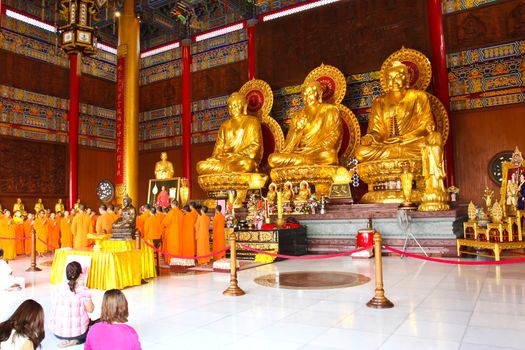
x=59, y=207
x=39, y=206
x=398, y=120
x=271, y=196
x=239, y=145
x=19, y=206
x=127, y=219
x=163, y=168
x=315, y=133
x=304, y=192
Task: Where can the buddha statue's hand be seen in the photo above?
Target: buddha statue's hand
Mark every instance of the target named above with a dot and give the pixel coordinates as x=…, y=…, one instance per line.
x=367, y=140
x=393, y=140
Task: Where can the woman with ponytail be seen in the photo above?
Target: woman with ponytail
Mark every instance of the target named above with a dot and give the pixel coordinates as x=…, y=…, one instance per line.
x=69, y=318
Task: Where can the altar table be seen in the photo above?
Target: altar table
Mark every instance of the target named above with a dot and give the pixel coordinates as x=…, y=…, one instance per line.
x=109, y=269
x=286, y=241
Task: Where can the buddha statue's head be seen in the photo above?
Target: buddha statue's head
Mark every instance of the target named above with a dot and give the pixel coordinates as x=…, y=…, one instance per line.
x=39, y=200
x=60, y=201
x=164, y=156
x=18, y=200
x=397, y=77
x=237, y=104
x=312, y=92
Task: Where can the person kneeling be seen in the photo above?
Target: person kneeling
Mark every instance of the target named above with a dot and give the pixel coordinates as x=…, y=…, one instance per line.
x=111, y=332
x=69, y=315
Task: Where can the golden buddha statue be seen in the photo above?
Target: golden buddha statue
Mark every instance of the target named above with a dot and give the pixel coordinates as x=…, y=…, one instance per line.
x=39, y=206
x=271, y=196
x=435, y=196
x=76, y=206
x=398, y=121
x=59, y=207
x=164, y=168
x=19, y=206
x=288, y=192
x=239, y=145
x=304, y=192
x=315, y=132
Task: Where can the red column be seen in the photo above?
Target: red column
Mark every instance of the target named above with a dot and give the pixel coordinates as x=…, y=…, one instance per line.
x=74, y=75
x=251, y=49
x=186, y=111
x=439, y=72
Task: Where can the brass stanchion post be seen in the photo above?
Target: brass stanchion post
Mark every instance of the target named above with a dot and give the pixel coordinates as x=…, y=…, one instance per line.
x=233, y=289
x=33, y=267
x=379, y=301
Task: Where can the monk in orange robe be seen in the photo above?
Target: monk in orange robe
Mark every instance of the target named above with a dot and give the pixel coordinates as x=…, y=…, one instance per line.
x=188, y=233
x=28, y=229
x=202, y=229
x=80, y=227
x=104, y=221
x=20, y=243
x=173, y=223
x=41, y=231
x=141, y=219
x=111, y=212
x=153, y=226
x=194, y=211
x=7, y=230
x=53, y=231
x=66, y=237
x=218, y=233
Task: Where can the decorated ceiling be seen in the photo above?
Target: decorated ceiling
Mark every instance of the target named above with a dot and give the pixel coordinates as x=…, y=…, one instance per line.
x=162, y=21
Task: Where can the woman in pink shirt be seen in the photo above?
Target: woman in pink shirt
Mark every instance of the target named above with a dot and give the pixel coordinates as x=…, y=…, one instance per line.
x=69, y=319
x=111, y=332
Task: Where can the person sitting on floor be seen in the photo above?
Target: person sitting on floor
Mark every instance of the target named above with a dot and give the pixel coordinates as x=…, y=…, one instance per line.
x=72, y=303
x=111, y=332
x=24, y=330
x=7, y=280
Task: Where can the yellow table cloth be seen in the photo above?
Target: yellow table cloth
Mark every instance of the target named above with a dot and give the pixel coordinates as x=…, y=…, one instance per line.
x=109, y=270
x=147, y=257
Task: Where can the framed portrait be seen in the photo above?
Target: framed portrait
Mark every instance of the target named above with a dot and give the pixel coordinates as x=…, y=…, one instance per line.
x=512, y=192
x=163, y=191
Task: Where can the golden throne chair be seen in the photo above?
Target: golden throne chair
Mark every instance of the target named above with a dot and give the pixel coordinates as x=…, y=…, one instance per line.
x=334, y=90
x=259, y=96
x=383, y=176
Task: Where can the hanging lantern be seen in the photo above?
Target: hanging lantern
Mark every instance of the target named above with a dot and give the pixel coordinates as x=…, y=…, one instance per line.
x=77, y=36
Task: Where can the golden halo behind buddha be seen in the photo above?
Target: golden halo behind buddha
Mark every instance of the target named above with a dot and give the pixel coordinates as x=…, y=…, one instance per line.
x=354, y=130
x=418, y=66
x=259, y=96
x=332, y=80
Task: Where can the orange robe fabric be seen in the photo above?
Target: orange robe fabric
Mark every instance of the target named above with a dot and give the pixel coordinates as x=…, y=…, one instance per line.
x=202, y=229
x=188, y=236
x=104, y=222
x=153, y=227
x=141, y=221
x=20, y=243
x=7, y=230
x=41, y=229
x=173, y=227
x=28, y=228
x=80, y=227
x=218, y=235
x=53, y=233
x=66, y=237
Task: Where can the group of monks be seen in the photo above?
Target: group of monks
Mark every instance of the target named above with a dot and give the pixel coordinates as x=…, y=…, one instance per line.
x=184, y=232
x=52, y=230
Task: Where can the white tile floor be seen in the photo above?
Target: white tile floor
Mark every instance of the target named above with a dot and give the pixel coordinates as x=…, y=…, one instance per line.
x=436, y=307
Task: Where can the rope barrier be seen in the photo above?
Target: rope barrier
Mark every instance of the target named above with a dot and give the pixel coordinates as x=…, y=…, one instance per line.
x=309, y=257
x=454, y=262
x=15, y=238
x=49, y=246
x=184, y=257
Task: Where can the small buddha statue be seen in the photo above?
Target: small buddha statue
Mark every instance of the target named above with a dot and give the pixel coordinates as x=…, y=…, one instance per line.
x=433, y=163
x=239, y=145
x=76, y=206
x=59, y=207
x=39, y=206
x=304, y=192
x=315, y=132
x=19, y=206
x=164, y=168
x=398, y=120
x=288, y=192
x=271, y=196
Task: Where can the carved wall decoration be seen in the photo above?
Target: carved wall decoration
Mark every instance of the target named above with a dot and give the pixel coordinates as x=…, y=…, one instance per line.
x=32, y=168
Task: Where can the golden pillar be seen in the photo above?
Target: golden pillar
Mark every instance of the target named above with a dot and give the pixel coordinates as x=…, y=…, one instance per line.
x=128, y=103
